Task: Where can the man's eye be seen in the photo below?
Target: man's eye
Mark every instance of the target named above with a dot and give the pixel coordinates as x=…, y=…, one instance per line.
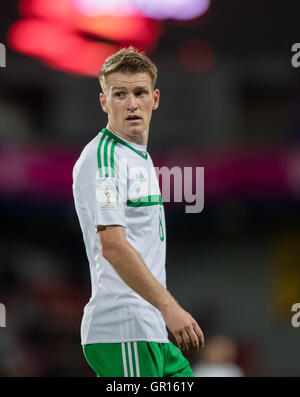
x=139, y=93
x=119, y=94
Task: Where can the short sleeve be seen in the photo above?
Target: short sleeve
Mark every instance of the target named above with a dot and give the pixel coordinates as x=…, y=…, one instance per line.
x=110, y=188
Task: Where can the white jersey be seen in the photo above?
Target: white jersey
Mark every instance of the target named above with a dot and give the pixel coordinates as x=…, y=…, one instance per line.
x=114, y=183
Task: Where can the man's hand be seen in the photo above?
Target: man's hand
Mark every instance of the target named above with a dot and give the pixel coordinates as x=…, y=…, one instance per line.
x=184, y=327
x=131, y=268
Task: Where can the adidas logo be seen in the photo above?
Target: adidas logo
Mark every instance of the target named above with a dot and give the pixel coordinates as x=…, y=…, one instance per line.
x=141, y=177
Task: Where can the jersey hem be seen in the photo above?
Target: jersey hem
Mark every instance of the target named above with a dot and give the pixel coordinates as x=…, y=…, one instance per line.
x=125, y=340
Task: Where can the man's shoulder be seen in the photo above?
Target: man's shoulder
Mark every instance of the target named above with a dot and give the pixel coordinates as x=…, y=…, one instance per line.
x=87, y=157
x=99, y=154
x=89, y=152
x=92, y=145
x=103, y=145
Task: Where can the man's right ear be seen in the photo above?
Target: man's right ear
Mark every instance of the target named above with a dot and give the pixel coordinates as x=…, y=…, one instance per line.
x=103, y=102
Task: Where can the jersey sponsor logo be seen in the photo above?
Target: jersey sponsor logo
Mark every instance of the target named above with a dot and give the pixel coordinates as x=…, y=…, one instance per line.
x=107, y=197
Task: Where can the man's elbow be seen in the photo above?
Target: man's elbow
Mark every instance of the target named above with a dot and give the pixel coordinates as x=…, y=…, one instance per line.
x=113, y=242
x=112, y=252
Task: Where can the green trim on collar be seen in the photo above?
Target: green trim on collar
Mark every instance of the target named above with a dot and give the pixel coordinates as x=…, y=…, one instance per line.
x=116, y=138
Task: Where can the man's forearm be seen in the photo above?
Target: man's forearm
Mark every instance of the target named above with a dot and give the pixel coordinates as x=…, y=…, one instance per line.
x=129, y=265
x=131, y=268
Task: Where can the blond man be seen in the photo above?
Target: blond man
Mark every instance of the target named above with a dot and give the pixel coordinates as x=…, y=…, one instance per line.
x=121, y=214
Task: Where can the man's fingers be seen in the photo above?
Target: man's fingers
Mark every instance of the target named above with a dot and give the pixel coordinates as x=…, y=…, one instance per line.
x=186, y=340
x=179, y=341
x=194, y=339
x=199, y=333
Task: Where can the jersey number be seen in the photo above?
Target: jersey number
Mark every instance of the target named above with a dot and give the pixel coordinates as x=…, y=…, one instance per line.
x=161, y=229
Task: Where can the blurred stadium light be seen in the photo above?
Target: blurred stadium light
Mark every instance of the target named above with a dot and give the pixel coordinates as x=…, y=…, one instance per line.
x=175, y=9
x=78, y=35
x=156, y=9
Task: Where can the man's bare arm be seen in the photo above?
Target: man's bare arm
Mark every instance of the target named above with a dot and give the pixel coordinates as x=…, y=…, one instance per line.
x=131, y=268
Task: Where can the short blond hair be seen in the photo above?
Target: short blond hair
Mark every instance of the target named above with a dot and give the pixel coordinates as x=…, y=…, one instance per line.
x=128, y=60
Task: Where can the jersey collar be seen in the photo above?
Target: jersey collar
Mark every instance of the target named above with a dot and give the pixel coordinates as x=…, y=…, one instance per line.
x=118, y=139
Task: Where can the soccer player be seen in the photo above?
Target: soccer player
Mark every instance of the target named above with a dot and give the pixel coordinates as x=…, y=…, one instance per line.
x=120, y=210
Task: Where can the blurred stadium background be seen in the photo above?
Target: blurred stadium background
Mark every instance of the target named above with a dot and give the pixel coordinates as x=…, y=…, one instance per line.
x=229, y=102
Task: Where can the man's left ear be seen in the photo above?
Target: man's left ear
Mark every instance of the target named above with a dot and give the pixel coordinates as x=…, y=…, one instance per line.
x=102, y=99
x=156, y=99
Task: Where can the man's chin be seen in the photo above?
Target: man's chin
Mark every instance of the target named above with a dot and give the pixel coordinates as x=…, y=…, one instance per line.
x=135, y=130
x=136, y=133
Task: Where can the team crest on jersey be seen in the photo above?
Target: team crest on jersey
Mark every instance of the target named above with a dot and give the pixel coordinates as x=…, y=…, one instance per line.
x=107, y=197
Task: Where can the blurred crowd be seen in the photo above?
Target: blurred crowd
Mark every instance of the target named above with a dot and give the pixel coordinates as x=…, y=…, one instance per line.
x=43, y=314
x=44, y=308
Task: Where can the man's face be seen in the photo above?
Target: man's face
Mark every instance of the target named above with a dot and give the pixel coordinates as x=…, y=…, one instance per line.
x=129, y=100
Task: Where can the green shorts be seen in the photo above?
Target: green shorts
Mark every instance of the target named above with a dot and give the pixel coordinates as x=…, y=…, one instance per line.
x=137, y=359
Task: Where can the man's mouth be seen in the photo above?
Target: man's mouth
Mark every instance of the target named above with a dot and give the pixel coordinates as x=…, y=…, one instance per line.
x=133, y=118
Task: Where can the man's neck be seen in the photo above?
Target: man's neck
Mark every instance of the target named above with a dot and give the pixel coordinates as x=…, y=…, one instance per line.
x=139, y=139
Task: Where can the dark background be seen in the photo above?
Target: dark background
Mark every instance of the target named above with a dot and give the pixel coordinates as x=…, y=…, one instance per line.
x=234, y=266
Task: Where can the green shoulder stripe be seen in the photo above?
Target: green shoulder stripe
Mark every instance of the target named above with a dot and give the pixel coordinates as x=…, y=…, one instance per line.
x=105, y=156
x=112, y=158
x=99, y=155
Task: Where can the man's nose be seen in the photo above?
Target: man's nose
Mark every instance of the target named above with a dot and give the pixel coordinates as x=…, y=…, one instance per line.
x=132, y=103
